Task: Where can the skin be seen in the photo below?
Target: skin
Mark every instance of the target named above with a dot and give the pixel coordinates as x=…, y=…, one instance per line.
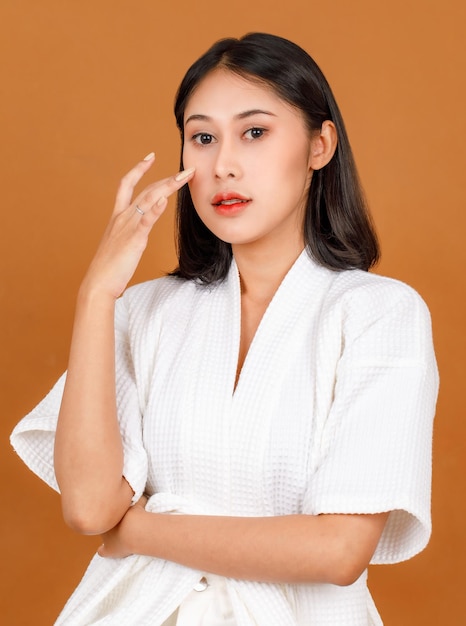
x=268, y=158
x=243, y=139
x=88, y=441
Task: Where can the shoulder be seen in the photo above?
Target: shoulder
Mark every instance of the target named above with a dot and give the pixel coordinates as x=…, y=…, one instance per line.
x=380, y=315
x=146, y=302
x=369, y=296
x=158, y=290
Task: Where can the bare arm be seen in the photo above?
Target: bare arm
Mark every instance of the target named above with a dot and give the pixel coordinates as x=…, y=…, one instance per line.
x=293, y=548
x=88, y=448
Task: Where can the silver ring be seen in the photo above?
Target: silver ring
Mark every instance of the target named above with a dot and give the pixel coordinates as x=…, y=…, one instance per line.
x=140, y=211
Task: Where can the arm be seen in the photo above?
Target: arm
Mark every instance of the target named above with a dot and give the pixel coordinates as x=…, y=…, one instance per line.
x=294, y=548
x=88, y=448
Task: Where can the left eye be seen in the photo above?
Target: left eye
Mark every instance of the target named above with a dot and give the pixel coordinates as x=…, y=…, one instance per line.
x=255, y=133
x=203, y=138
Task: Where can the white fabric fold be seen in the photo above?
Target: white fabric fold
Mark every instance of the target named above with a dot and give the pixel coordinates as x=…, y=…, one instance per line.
x=332, y=413
x=116, y=592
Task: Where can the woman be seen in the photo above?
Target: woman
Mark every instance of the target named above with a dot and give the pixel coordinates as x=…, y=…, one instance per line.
x=271, y=392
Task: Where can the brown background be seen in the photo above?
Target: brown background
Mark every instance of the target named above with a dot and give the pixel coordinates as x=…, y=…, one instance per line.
x=86, y=90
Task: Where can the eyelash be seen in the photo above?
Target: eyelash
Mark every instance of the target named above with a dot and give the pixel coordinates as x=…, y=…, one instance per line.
x=197, y=137
x=259, y=128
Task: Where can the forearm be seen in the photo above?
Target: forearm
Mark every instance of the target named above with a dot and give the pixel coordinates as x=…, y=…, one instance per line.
x=88, y=447
x=296, y=548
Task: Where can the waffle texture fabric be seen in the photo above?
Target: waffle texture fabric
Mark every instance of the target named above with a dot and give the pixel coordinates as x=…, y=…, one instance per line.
x=332, y=413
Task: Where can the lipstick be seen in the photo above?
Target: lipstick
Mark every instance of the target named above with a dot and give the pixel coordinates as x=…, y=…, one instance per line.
x=229, y=202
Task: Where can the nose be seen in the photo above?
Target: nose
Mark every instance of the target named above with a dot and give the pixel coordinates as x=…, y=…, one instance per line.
x=227, y=163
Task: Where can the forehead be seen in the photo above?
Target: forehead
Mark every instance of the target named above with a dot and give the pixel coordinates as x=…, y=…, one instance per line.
x=223, y=94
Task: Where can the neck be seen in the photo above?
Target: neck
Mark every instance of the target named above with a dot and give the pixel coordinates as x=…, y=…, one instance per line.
x=261, y=272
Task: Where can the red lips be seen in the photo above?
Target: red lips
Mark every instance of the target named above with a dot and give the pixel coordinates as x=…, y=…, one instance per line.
x=228, y=196
x=229, y=202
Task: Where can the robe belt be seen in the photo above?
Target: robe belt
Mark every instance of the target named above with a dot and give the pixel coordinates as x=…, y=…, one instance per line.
x=165, y=502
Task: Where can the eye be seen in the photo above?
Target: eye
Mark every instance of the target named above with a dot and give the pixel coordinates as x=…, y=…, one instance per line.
x=203, y=138
x=255, y=133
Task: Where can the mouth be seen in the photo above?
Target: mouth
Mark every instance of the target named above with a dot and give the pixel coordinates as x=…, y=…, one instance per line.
x=229, y=202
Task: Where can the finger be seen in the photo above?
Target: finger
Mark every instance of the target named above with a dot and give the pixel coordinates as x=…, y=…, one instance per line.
x=152, y=198
x=151, y=214
x=130, y=180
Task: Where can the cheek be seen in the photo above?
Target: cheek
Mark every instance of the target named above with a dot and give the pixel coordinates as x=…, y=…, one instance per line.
x=298, y=170
x=192, y=155
x=197, y=190
x=192, y=158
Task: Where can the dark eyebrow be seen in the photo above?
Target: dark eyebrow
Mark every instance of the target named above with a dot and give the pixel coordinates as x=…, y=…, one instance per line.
x=244, y=114
x=239, y=116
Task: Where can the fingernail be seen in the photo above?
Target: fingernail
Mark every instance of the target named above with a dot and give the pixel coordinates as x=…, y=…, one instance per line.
x=184, y=174
x=161, y=201
x=149, y=157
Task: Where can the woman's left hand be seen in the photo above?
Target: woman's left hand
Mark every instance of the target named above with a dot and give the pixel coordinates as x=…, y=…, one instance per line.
x=116, y=542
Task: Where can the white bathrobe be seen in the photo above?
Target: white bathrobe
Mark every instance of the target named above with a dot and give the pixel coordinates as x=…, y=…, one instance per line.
x=332, y=413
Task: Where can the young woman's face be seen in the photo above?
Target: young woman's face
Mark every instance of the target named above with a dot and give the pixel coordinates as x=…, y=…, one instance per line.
x=251, y=151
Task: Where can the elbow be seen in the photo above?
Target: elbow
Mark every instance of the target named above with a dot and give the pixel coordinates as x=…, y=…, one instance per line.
x=345, y=565
x=341, y=573
x=84, y=524
x=84, y=527
x=352, y=541
x=87, y=520
x=347, y=574
x=95, y=513
x=348, y=566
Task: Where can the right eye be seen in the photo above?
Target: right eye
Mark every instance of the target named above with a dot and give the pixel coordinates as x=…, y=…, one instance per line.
x=203, y=138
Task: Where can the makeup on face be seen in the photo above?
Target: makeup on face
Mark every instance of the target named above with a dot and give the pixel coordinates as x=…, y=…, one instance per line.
x=251, y=151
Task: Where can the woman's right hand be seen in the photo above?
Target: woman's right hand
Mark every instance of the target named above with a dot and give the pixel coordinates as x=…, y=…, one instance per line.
x=88, y=440
x=126, y=235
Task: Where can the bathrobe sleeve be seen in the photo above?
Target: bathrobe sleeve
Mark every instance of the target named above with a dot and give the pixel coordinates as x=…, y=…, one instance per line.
x=34, y=436
x=378, y=435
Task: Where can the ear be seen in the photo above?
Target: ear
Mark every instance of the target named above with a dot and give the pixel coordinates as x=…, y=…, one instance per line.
x=323, y=145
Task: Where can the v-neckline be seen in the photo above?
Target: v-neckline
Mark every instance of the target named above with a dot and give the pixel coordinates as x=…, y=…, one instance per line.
x=273, y=304
x=247, y=335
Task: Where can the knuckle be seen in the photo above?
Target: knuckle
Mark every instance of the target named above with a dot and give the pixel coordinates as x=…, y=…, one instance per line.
x=151, y=197
x=125, y=181
x=131, y=177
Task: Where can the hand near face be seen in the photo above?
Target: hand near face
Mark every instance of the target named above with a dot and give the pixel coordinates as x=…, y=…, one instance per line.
x=125, y=238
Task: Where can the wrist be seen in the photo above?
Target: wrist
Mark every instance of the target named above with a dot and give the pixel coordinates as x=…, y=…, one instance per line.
x=91, y=295
x=133, y=529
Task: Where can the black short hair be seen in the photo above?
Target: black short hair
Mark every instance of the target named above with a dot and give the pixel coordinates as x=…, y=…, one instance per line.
x=338, y=230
